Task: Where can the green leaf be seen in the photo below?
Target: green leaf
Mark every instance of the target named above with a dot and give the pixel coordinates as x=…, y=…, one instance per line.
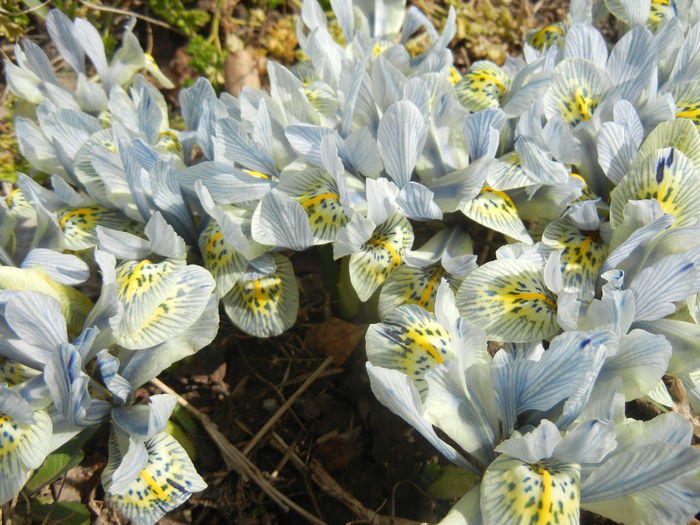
x=176, y=431
x=183, y=419
x=448, y=482
x=63, y=512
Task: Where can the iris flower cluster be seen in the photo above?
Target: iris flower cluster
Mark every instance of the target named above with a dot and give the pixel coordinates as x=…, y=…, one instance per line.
x=581, y=156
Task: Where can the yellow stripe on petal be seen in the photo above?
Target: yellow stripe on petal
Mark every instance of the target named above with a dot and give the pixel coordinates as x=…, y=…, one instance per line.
x=318, y=194
x=483, y=86
x=509, y=300
x=326, y=215
x=583, y=253
x=667, y=176
x=22, y=449
x=687, y=98
x=546, y=36
x=576, y=90
x=496, y=210
x=220, y=258
x=515, y=493
x=409, y=285
x=18, y=204
x=658, y=12
x=267, y=306
x=78, y=224
x=380, y=256
x=137, y=279
x=166, y=481
x=410, y=340
x=257, y=174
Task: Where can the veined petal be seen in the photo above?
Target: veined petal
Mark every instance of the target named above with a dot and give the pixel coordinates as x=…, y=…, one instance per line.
x=380, y=256
x=220, y=258
x=142, y=365
x=641, y=360
x=166, y=481
x=509, y=300
x=667, y=176
x=507, y=173
x=160, y=300
x=650, y=484
x=266, y=306
x=279, y=220
x=585, y=41
x=496, y=210
x=74, y=305
x=410, y=340
x=632, y=62
x=396, y=391
x=22, y=449
x=401, y=135
x=658, y=286
x=517, y=493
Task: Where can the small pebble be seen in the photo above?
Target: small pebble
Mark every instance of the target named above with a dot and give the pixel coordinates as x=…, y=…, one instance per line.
x=270, y=404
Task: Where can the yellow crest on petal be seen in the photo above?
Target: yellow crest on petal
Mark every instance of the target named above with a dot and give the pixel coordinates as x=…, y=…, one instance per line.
x=380, y=256
x=660, y=9
x=547, y=36
x=483, y=86
x=266, y=306
x=410, y=340
x=22, y=449
x=164, y=483
x=516, y=493
x=583, y=253
x=160, y=300
x=318, y=194
x=409, y=285
x=220, y=258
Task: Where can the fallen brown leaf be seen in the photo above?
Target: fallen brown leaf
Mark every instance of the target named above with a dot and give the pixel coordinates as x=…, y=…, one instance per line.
x=335, y=338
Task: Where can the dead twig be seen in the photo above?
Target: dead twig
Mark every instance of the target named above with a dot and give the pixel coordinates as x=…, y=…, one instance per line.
x=235, y=460
x=285, y=406
x=331, y=487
